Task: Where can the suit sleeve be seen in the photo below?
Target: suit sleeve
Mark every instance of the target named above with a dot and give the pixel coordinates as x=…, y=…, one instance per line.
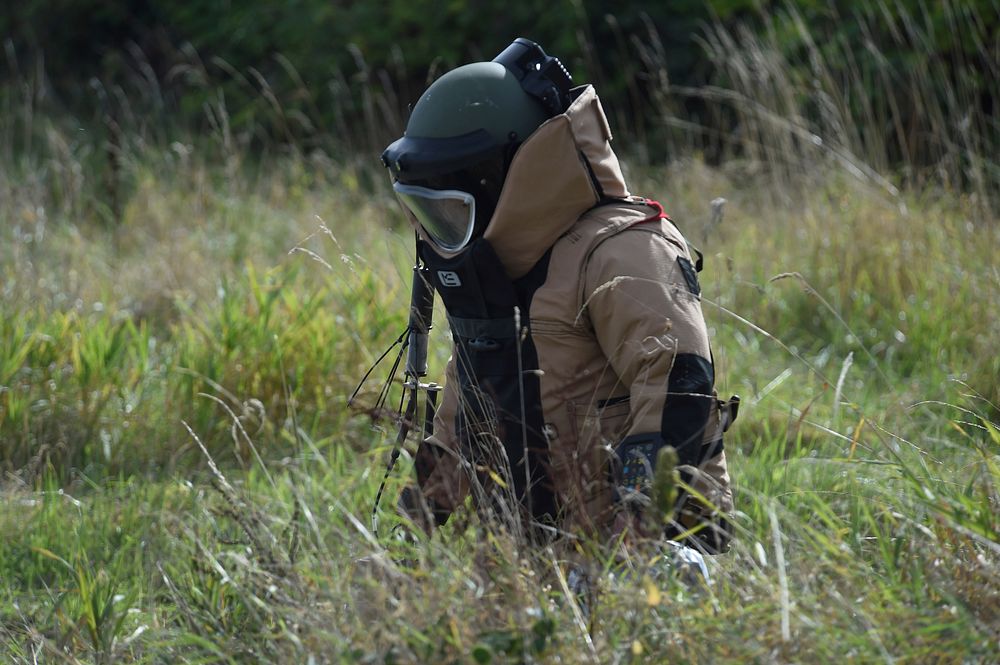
x=643, y=301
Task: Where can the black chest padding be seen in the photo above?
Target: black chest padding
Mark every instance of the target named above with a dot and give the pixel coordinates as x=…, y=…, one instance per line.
x=499, y=422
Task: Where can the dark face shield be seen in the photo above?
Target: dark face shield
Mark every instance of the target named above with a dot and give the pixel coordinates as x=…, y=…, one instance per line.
x=447, y=216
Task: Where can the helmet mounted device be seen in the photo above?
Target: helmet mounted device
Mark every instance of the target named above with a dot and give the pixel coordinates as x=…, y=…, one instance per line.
x=542, y=76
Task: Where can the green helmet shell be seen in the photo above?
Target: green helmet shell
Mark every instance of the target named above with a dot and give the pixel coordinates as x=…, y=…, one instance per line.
x=481, y=95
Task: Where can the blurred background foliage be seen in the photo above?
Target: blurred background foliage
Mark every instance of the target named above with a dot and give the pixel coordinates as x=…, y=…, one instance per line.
x=343, y=73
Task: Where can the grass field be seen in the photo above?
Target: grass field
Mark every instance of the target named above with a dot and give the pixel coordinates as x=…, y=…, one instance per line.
x=239, y=311
x=183, y=481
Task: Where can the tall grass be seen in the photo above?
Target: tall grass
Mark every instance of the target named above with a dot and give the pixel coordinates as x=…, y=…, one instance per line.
x=801, y=98
x=183, y=482
x=121, y=325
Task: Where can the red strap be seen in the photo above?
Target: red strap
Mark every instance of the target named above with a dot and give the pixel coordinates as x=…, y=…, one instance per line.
x=658, y=215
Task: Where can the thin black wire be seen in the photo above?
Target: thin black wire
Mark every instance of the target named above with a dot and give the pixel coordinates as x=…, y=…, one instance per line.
x=387, y=386
x=397, y=448
x=399, y=340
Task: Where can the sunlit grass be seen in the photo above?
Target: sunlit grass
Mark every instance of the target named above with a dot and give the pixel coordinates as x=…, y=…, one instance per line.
x=884, y=503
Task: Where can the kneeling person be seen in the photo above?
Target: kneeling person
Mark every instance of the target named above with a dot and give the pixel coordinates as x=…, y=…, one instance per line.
x=580, y=348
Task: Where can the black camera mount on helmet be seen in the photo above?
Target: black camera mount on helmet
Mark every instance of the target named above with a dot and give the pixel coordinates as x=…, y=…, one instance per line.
x=542, y=76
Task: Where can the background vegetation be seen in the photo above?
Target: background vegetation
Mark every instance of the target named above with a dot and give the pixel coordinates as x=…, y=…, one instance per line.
x=200, y=258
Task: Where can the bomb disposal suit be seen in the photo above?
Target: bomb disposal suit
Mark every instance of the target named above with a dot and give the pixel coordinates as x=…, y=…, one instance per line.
x=580, y=349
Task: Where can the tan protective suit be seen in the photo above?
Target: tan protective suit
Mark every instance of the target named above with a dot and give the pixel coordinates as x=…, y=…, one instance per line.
x=616, y=309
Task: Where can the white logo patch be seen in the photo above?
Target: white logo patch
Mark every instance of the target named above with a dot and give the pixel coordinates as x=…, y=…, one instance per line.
x=449, y=278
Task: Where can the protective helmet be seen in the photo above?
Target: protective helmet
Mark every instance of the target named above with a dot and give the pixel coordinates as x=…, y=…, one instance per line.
x=449, y=166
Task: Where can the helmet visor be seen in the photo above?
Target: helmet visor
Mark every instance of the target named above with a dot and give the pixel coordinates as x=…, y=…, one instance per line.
x=448, y=216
